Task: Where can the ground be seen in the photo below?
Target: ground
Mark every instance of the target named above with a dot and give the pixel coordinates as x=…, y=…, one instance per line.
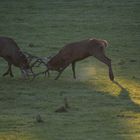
x=99, y=109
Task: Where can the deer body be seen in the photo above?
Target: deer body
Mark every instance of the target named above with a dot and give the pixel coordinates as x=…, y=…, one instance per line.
x=13, y=55
x=77, y=51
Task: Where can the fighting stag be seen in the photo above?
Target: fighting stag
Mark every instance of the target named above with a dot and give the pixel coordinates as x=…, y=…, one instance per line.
x=10, y=51
x=73, y=52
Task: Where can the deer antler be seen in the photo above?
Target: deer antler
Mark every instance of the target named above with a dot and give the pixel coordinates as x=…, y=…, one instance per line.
x=44, y=72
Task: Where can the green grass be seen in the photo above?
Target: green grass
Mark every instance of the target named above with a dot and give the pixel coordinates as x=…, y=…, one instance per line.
x=99, y=109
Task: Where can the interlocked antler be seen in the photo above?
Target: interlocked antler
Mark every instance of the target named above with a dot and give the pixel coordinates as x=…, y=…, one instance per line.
x=40, y=61
x=44, y=72
x=35, y=61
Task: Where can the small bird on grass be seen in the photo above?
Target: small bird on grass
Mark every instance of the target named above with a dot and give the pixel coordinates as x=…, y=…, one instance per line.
x=31, y=45
x=39, y=118
x=63, y=108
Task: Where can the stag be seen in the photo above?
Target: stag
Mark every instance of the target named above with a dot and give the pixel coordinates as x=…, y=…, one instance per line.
x=73, y=52
x=10, y=51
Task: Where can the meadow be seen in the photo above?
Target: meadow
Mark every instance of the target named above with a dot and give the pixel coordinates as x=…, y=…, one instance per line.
x=99, y=109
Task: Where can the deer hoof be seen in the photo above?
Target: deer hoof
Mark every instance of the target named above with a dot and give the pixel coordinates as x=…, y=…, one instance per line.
x=111, y=77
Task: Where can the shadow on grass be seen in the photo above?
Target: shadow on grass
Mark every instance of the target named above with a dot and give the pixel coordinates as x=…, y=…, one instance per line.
x=125, y=95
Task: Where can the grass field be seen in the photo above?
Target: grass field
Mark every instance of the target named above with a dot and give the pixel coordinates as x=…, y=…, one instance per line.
x=99, y=109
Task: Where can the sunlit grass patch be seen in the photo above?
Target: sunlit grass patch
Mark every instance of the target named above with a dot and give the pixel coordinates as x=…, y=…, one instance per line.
x=16, y=136
x=100, y=81
x=131, y=121
x=132, y=87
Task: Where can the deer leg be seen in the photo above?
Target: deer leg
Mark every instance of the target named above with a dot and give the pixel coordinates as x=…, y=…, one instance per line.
x=8, y=71
x=60, y=72
x=62, y=69
x=106, y=61
x=73, y=69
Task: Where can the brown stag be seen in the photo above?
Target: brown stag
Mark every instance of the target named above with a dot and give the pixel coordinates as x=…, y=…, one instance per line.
x=14, y=56
x=73, y=52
